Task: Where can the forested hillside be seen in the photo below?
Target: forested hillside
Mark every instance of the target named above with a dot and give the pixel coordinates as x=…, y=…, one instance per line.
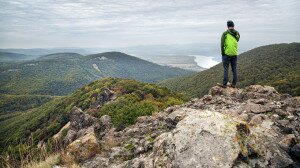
x=11, y=103
x=61, y=73
x=276, y=65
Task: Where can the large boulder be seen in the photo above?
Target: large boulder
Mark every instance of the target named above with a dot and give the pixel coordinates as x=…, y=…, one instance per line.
x=83, y=140
x=202, y=138
x=82, y=148
x=79, y=124
x=229, y=91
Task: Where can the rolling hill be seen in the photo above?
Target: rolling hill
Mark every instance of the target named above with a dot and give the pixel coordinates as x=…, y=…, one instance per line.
x=61, y=73
x=277, y=65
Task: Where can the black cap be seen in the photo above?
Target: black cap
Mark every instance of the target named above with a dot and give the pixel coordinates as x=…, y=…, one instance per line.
x=230, y=23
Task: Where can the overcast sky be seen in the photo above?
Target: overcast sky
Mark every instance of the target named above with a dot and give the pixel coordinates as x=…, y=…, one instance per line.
x=120, y=23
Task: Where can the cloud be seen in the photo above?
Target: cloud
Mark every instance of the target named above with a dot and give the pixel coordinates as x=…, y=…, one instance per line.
x=89, y=23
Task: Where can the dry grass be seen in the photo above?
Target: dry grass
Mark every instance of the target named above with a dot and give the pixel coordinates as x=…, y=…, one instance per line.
x=49, y=162
x=66, y=159
x=28, y=155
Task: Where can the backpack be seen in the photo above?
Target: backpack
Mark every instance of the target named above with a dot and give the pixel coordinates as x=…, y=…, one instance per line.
x=231, y=45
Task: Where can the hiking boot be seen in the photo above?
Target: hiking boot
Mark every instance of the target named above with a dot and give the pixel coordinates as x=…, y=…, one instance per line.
x=221, y=85
x=233, y=86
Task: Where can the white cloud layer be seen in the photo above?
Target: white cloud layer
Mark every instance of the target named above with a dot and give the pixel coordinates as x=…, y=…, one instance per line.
x=117, y=23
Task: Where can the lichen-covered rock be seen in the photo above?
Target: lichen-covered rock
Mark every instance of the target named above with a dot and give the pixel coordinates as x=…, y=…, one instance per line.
x=229, y=127
x=204, y=137
x=83, y=148
x=217, y=90
x=103, y=97
x=258, y=92
x=96, y=162
x=79, y=125
x=80, y=120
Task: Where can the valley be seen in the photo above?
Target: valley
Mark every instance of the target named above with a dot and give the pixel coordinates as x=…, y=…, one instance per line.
x=180, y=61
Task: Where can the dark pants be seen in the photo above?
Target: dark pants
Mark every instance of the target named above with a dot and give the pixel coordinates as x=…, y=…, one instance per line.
x=232, y=60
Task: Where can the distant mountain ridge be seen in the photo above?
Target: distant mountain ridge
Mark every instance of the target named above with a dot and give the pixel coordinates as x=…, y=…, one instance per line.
x=45, y=51
x=192, y=48
x=13, y=57
x=61, y=73
x=277, y=65
x=61, y=56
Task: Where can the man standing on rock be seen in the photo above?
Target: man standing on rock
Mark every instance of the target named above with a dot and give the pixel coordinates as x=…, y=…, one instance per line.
x=229, y=49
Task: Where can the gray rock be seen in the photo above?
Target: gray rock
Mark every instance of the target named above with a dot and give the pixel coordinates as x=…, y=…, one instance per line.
x=258, y=92
x=171, y=109
x=280, y=112
x=207, y=98
x=103, y=97
x=80, y=120
x=257, y=119
x=70, y=137
x=96, y=162
x=198, y=141
x=250, y=107
x=217, y=91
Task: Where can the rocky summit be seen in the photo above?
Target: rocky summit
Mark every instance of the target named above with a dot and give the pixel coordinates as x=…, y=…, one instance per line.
x=229, y=127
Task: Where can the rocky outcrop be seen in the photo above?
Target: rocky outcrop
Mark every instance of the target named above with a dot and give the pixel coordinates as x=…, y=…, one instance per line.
x=82, y=139
x=251, y=127
x=103, y=97
x=82, y=148
x=80, y=125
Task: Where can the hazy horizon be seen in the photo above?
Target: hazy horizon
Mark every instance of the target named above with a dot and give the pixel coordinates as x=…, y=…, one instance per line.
x=113, y=24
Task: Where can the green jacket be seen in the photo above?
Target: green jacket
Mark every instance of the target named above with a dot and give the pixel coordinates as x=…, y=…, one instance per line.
x=229, y=42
